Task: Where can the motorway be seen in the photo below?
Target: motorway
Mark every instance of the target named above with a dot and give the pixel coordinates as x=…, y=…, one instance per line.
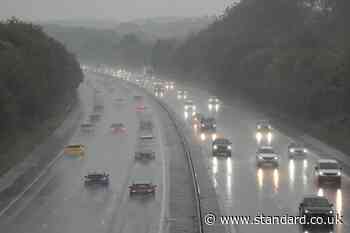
x=241, y=187
x=59, y=202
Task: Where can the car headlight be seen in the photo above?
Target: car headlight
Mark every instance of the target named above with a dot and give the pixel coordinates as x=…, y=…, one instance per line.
x=321, y=173
x=305, y=150
x=229, y=147
x=331, y=212
x=306, y=211
x=338, y=173
x=276, y=158
x=292, y=150
x=215, y=147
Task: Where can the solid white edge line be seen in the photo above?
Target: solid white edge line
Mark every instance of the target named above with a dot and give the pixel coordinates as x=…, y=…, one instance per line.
x=162, y=211
x=28, y=187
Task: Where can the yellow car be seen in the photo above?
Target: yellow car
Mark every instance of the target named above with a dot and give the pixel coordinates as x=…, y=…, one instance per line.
x=77, y=149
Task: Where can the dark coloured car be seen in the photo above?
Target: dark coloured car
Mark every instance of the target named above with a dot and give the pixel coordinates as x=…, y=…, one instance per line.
x=97, y=178
x=142, y=188
x=87, y=127
x=138, y=97
x=197, y=118
x=145, y=154
x=98, y=108
x=316, y=206
x=222, y=146
x=95, y=117
x=208, y=124
x=146, y=125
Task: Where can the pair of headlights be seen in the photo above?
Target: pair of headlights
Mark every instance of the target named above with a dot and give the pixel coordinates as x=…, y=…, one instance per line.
x=215, y=147
x=292, y=150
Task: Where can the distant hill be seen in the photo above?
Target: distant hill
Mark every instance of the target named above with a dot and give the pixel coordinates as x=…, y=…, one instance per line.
x=128, y=43
x=86, y=23
x=147, y=29
x=164, y=28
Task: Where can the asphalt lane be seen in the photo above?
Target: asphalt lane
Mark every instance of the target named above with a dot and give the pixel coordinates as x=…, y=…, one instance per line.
x=59, y=201
x=244, y=190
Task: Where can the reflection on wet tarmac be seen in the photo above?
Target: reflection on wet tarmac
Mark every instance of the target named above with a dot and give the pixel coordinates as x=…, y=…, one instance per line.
x=276, y=178
x=229, y=166
x=291, y=170
x=229, y=185
x=260, y=176
x=320, y=192
x=339, y=201
x=215, y=165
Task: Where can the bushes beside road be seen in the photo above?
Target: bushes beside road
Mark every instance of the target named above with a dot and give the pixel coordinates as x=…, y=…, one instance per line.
x=38, y=80
x=292, y=57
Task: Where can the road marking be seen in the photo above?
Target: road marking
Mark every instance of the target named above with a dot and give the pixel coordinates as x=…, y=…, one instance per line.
x=41, y=174
x=162, y=211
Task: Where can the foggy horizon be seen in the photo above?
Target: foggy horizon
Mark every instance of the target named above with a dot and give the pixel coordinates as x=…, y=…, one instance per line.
x=119, y=11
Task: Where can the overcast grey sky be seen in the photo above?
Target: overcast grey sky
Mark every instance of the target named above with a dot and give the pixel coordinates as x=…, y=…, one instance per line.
x=108, y=9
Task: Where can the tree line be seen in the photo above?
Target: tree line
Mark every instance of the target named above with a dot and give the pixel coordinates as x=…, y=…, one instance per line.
x=292, y=56
x=37, y=74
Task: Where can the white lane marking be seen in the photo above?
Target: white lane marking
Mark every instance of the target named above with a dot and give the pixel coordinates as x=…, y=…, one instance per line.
x=162, y=211
x=41, y=174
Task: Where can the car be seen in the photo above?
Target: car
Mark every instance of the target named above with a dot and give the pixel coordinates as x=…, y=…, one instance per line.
x=182, y=94
x=264, y=131
x=98, y=108
x=316, y=206
x=146, y=125
x=100, y=178
x=189, y=106
x=169, y=85
x=138, y=97
x=159, y=91
x=142, y=187
x=95, y=117
x=146, y=137
x=295, y=150
x=118, y=128
x=328, y=171
x=74, y=149
x=208, y=124
x=197, y=118
x=119, y=99
x=213, y=100
x=267, y=156
x=141, y=108
x=87, y=127
x=222, y=146
x=145, y=154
